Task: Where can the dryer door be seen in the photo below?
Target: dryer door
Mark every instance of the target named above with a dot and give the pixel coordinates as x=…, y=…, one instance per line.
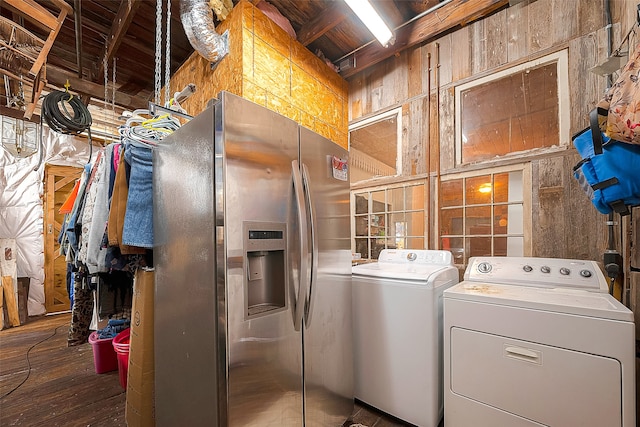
x=548, y=385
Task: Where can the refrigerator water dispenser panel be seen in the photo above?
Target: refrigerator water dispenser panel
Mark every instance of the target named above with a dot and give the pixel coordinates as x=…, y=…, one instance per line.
x=265, y=278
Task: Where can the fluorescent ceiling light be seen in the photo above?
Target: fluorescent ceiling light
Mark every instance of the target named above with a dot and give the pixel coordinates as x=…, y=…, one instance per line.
x=371, y=19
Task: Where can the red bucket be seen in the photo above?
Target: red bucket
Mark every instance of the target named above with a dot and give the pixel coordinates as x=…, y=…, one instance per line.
x=104, y=355
x=121, y=347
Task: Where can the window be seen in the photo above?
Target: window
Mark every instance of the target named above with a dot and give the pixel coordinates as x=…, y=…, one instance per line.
x=518, y=109
x=375, y=148
x=484, y=214
x=388, y=218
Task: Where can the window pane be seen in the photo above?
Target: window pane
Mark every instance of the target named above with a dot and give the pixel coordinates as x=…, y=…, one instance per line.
x=400, y=243
x=414, y=197
x=478, y=190
x=415, y=223
x=455, y=246
x=515, y=113
x=374, y=149
x=397, y=225
x=478, y=220
x=376, y=246
x=396, y=199
x=479, y=246
x=362, y=203
x=515, y=246
x=500, y=246
x=516, y=219
x=378, y=225
x=378, y=201
x=415, y=243
x=362, y=247
x=451, y=193
x=451, y=221
x=500, y=219
x=501, y=188
x=362, y=228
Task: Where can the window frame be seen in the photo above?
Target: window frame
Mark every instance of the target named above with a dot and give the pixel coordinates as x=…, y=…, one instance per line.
x=370, y=211
x=527, y=219
x=561, y=58
x=397, y=112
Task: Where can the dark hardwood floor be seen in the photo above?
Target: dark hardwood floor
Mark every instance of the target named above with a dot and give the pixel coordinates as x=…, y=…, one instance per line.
x=62, y=388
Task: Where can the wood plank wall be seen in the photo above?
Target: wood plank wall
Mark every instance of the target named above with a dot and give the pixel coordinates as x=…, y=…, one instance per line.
x=565, y=224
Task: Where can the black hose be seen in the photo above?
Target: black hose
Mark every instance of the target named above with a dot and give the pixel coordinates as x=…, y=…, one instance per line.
x=55, y=110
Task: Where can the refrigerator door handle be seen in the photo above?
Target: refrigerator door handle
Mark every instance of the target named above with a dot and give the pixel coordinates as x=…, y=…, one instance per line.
x=309, y=302
x=298, y=191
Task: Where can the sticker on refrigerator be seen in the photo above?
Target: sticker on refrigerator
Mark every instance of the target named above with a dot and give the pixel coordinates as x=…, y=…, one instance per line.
x=339, y=168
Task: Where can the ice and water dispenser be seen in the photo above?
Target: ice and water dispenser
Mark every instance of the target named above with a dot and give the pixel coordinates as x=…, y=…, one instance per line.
x=265, y=263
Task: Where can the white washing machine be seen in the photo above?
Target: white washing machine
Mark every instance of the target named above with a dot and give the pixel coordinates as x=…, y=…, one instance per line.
x=537, y=342
x=397, y=305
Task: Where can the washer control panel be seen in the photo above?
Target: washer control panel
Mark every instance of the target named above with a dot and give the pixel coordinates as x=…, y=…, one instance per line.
x=537, y=272
x=415, y=256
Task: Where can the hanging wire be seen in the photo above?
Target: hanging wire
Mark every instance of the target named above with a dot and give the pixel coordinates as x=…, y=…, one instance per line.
x=158, y=58
x=113, y=89
x=167, y=56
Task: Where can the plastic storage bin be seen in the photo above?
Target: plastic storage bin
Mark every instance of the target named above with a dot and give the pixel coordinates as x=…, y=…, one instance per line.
x=121, y=347
x=104, y=355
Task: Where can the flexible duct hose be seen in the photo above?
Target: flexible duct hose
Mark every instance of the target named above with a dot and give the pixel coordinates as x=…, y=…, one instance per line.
x=56, y=113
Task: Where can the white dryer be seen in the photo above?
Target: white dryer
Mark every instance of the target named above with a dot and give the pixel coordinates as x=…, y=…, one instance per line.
x=537, y=342
x=397, y=318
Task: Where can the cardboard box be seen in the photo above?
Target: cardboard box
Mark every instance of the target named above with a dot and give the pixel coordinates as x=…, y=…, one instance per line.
x=140, y=409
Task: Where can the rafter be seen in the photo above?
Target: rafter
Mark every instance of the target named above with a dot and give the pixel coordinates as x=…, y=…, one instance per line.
x=120, y=26
x=457, y=12
x=58, y=77
x=324, y=22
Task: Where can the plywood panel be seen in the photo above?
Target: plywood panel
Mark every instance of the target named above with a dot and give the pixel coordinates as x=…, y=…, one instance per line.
x=266, y=66
x=540, y=26
x=565, y=12
x=585, y=227
x=496, y=33
x=460, y=54
x=447, y=131
x=443, y=45
x=414, y=155
x=587, y=87
x=517, y=28
x=479, y=46
x=416, y=68
x=590, y=15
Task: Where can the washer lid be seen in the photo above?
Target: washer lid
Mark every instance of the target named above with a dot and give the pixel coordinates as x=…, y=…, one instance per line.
x=413, y=272
x=560, y=300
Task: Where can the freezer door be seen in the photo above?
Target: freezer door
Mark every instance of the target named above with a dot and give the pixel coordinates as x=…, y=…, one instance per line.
x=327, y=333
x=185, y=320
x=257, y=147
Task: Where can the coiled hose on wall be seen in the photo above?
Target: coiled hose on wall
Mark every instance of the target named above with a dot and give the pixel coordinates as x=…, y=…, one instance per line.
x=55, y=111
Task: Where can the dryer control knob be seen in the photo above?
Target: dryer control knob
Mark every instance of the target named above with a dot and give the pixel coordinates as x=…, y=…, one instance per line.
x=411, y=256
x=585, y=273
x=527, y=268
x=565, y=271
x=545, y=269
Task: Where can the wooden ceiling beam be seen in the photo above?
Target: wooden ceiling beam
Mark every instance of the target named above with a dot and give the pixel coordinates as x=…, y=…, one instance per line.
x=457, y=12
x=322, y=23
x=58, y=77
x=127, y=11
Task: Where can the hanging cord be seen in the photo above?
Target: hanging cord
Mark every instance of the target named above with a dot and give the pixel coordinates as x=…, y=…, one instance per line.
x=55, y=331
x=158, y=58
x=57, y=115
x=167, y=56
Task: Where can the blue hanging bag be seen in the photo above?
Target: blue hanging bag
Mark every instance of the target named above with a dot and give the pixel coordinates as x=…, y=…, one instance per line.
x=609, y=171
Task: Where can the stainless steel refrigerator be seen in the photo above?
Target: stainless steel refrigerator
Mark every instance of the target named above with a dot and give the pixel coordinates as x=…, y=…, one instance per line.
x=253, y=272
